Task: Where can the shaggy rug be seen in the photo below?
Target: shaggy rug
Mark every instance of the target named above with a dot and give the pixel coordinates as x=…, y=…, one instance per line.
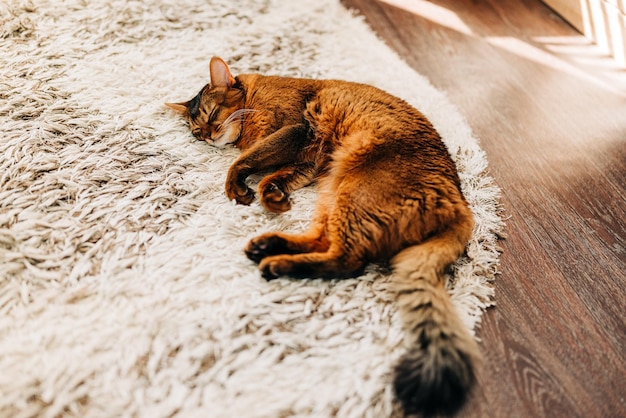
x=124, y=290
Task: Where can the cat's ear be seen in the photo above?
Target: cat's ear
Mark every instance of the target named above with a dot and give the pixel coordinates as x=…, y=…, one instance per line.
x=220, y=74
x=180, y=108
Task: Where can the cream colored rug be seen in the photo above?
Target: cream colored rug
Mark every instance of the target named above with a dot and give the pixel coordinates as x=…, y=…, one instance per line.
x=124, y=290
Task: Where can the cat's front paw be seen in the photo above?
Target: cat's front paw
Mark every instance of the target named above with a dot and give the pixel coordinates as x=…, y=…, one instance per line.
x=241, y=194
x=274, y=198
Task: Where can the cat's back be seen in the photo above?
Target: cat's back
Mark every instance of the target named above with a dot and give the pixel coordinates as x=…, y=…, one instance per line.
x=369, y=127
x=365, y=107
x=278, y=94
x=342, y=108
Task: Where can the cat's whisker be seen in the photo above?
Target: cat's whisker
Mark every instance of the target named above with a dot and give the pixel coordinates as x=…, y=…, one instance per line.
x=238, y=115
x=224, y=130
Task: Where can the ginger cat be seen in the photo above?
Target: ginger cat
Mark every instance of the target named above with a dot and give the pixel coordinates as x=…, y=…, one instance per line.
x=388, y=189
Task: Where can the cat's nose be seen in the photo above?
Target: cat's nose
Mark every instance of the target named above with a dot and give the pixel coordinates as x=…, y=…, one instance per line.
x=205, y=134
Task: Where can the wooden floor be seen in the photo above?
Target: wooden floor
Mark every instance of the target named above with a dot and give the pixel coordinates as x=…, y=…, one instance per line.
x=551, y=115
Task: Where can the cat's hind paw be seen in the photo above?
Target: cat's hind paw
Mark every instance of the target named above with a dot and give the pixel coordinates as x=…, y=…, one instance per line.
x=276, y=266
x=265, y=245
x=269, y=271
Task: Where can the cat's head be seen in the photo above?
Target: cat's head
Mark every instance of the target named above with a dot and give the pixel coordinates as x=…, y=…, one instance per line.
x=215, y=115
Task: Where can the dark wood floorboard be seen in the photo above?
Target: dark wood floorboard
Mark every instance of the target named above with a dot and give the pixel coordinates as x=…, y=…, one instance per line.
x=555, y=134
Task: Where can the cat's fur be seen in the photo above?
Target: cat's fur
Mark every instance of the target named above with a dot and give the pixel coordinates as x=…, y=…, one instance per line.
x=388, y=189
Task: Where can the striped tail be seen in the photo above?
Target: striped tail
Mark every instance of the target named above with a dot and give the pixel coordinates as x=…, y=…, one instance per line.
x=436, y=373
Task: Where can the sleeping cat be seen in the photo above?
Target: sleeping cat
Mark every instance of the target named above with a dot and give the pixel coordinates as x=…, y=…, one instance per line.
x=388, y=189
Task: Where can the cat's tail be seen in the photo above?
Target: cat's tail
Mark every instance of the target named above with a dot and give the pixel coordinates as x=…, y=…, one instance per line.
x=437, y=371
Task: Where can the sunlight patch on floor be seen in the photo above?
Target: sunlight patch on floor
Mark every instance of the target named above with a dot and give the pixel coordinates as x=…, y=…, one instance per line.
x=572, y=55
x=525, y=50
x=433, y=12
